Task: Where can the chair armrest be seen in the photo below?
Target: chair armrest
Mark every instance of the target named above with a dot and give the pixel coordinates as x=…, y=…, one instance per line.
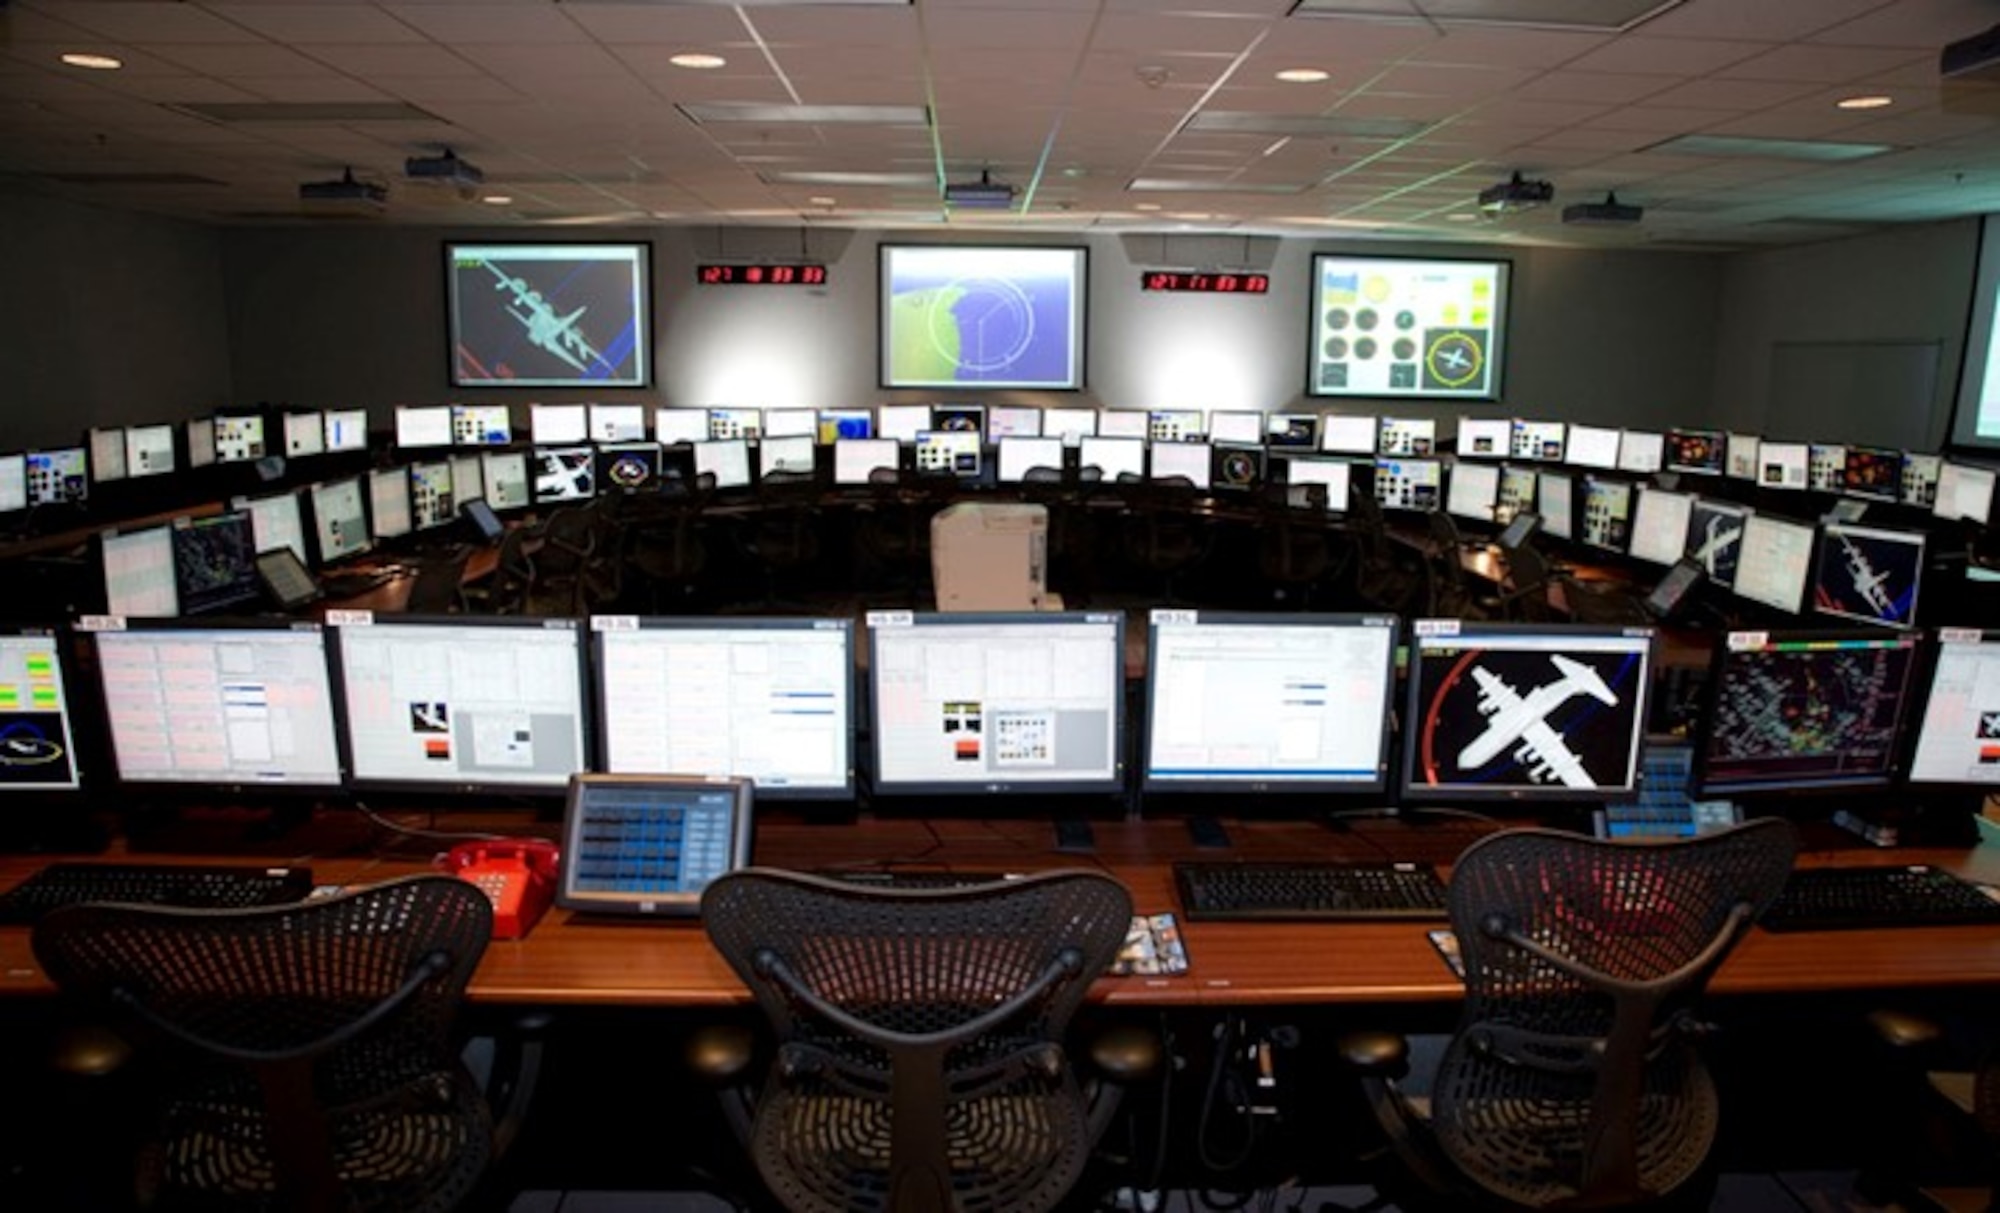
x=1374, y=1054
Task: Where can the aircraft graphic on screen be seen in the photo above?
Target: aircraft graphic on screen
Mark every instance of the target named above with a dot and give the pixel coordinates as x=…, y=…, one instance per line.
x=1525, y=718
x=556, y=334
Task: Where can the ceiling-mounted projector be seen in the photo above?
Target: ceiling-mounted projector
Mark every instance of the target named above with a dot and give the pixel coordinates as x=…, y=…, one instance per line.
x=444, y=168
x=1974, y=58
x=1515, y=194
x=1608, y=212
x=345, y=193
x=985, y=194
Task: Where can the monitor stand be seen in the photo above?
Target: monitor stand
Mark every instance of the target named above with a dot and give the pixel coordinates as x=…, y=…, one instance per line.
x=1207, y=832
x=1074, y=836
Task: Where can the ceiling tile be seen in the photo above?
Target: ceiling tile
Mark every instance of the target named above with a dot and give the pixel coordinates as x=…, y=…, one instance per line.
x=1768, y=22
x=144, y=21
x=242, y=60
x=644, y=24
x=1730, y=95
x=1820, y=64
x=487, y=24
x=1646, y=56
x=427, y=59
x=314, y=24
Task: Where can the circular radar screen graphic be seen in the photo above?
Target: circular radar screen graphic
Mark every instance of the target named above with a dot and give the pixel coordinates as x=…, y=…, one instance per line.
x=981, y=328
x=628, y=472
x=1454, y=359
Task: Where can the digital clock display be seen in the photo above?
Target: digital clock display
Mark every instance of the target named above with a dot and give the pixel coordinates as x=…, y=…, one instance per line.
x=1204, y=282
x=799, y=274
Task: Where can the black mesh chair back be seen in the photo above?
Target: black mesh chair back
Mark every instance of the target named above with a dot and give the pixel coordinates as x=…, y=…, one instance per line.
x=307, y=1060
x=920, y=1063
x=1573, y=1080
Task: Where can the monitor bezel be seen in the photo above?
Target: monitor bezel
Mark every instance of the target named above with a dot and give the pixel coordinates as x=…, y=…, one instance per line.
x=1913, y=730
x=85, y=768
x=653, y=904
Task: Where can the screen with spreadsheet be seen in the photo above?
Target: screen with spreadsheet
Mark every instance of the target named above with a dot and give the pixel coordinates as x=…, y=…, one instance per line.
x=1268, y=702
x=770, y=700
x=1774, y=556
x=276, y=522
x=139, y=573
x=37, y=744
x=389, y=502
x=1958, y=741
x=1002, y=702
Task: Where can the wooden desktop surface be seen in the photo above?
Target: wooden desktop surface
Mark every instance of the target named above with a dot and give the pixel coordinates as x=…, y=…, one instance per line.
x=574, y=960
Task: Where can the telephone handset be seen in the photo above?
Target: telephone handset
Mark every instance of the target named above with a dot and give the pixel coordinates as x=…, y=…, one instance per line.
x=519, y=874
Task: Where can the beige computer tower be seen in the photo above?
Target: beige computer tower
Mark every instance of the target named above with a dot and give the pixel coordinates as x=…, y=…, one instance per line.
x=991, y=556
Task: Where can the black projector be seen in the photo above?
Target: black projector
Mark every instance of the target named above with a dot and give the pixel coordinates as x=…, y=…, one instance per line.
x=1974, y=58
x=1609, y=212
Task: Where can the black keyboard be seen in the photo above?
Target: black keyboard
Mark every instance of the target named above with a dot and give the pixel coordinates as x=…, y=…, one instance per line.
x=1832, y=899
x=1282, y=891
x=197, y=887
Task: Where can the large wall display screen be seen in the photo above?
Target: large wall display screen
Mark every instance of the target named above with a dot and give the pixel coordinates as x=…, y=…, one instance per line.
x=957, y=315
x=549, y=315
x=1395, y=327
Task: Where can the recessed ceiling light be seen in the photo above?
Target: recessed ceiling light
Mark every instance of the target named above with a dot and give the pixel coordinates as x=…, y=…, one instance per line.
x=1145, y=206
x=1302, y=75
x=1462, y=217
x=1874, y=102
x=697, y=60
x=820, y=200
x=96, y=63
x=498, y=199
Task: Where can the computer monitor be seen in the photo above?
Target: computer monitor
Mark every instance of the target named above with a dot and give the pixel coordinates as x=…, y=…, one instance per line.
x=58, y=477
x=1187, y=461
x=1070, y=425
x=1519, y=529
x=1872, y=472
x=1660, y=522
x=997, y=703
x=726, y=424
x=617, y=422
x=1538, y=440
x=1268, y=703
x=107, y=455
x=305, y=434
x=340, y=520
x=345, y=430
x=728, y=460
x=13, y=483
x=856, y=460
x=239, y=437
x=1472, y=491
x=1672, y=589
x=507, y=484
x=149, y=450
x=35, y=714
x=1241, y=429
x=1176, y=425
x=902, y=422
x=1868, y=574
x=1019, y=455
x=485, y=704
x=959, y=419
x=1121, y=423
x=1607, y=513
x=389, y=502
x=1804, y=710
x=1299, y=431
x=948, y=453
x=790, y=423
x=431, y=501
x=1233, y=468
x=1335, y=474
x=559, y=424
x=1696, y=451
x=1743, y=457
x=1013, y=421
x=769, y=699
x=1715, y=539
x=481, y=425
x=1517, y=493
x=1113, y=457
x=201, y=442
x=791, y=455
x=423, y=426
x=484, y=522
x=648, y=845
x=837, y=424
x=1773, y=560
x=1409, y=484
x=276, y=522
x=1826, y=467
x=139, y=573
x=1920, y=479
x=248, y=705
x=628, y=467
x=680, y=425
x=1783, y=465
x=1544, y=712
x=1958, y=739
x=1555, y=501
x=1965, y=492
x=1641, y=451
x=1406, y=436
x=468, y=478
x=1340, y=434
x=215, y=563
x=565, y=473
x=1593, y=446
x=1484, y=437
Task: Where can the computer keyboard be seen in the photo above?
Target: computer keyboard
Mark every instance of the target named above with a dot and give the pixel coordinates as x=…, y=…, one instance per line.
x=198, y=887
x=1832, y=899
x=1282, y=891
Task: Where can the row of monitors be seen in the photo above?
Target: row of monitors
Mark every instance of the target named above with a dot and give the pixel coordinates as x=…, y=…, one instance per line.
x=994, y=704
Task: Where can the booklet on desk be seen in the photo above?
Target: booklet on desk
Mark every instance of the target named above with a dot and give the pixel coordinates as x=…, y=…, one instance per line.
x=1153, y=948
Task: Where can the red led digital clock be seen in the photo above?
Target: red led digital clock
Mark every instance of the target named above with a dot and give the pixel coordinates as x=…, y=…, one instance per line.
x=1204, y=282
x=800, y=274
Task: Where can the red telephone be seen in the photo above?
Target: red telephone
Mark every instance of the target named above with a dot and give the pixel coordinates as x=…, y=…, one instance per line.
x=519, y=874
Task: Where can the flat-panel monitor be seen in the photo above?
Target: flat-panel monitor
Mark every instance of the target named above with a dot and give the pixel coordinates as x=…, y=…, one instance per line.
x=1335, y=474
x=1697, y=451
x=13, y=483
x=1593, y=446
x=559, y=424
x=1538, y=440
x=1235, y=469
x=1773, y=560
x=1406, y=436
x=1114, y=458
x=276, y=522
x=956, y=315
x=423, y=426
x=1555, y=501
x=149, y=450
x=680, y=425
x=508, y=486
x=617, y=422
x=628, y=467
x=903, y=422
x=1340, y=434
x=790, y=423
x=1484, y=437
x=1607, y=513
x=648, y=845
x=1826, y=467
x=1641, y=451
x=492, y=704
x=107, y=455
x=790, y=456
x=1472, y=491
x=340, y=520
x=1920, y=477
x=1875, y=473
x=1660, y=525
x=1268, y=703
x=431, y=502
x=997, y=703
x=1965, y=492
x=1409, y=484
x=35, y=714
x=1242, y=429
x=139, y=573
x=1958, y=740
x=857, y=460
x=838, y=424
x=1013, y=421
x=1805, y=710
x=1298, y=431
x=1070, y=425
x=1783, y=465
x=769, y=700
x=1019, y=455
x=728, y=460
x=1518, y=531
x=948, y=453
x=481, y=425
x=389, y=502
x=344, y=430
x=1868, y=574
x=1517, y=493
x=239, y=437
x=1404, y=327
x=215, y=563
x=565, y=473
x=305, y=434
x=201, y=442
x=1187, y=461
x=468, y=478
x=1122, y=423
x=566, y=314
x=1542, y=712
x=959, y=418
x=485, y=523
x=1715, y=539
x=725, y=424
x=248, y=705
x=1175, y=425
x=1743, y=456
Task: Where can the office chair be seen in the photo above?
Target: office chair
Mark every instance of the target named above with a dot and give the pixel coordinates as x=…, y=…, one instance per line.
x=782, y=539
x=1388, y=576
x=1525, y=597
x=892, y=537
x=1936, y=1110
x=920, y=1062
x=1164, y=538
x=563, y=559
x=439, y=582
x=305, y=1053
x=1572, y=1080
x=668, y=547
x=508, y=589
x=1294, y=553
